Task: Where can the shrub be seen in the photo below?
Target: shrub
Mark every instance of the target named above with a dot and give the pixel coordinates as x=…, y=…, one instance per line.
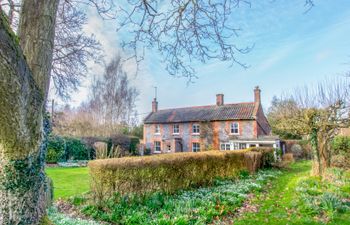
x=169, y=172
x=341, y=145
x=55, y=149
x=76, y=149
x=341, y=152
x=268, y=157
x=288, y=157
x=301, y=149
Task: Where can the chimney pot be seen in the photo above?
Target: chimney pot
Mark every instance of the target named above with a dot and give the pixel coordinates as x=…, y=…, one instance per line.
x=257, y=95
x=154, y=105
x=219, y=99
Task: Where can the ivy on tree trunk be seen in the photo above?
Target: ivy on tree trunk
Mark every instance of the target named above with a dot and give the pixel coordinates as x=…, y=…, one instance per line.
x=24, y=82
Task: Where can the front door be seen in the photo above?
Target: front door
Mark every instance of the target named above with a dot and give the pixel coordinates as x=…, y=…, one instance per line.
x=178, y=145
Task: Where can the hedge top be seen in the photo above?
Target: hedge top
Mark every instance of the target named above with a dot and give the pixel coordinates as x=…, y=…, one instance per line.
x=157, y=160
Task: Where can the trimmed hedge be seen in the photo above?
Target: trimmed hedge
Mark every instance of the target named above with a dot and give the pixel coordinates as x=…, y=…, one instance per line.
x=170, y=172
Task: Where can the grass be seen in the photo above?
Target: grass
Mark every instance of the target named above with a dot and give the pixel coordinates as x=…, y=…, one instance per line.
x=289, y=200
x=195, y=206
x=287, y=197
x=69, y=182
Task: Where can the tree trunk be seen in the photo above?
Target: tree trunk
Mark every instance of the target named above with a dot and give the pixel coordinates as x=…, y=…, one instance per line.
x=24, y=80
x=316, y=164
x=36, y=32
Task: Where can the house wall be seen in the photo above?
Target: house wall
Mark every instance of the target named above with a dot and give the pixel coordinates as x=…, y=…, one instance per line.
x=220, y=133
x=263, y=127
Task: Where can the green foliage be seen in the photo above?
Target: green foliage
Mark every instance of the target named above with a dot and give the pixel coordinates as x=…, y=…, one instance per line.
x=61, y=149
x=341, y=145
x=55, y=149
x=75, y=149
x=277, y=114
x=323, y=197
x=290, y=200
x=134, y=142
x=170, y=172
x=195, y=206
x=341, y=152
x=137, y=131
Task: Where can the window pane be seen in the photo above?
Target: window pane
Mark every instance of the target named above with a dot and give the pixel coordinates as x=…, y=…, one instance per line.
x=234, y=128
x=176, y=129
x=242, y=146
x=222, y=147
x=195, y=128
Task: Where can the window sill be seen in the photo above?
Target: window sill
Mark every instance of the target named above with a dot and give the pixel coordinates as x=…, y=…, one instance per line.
x=196, y=134
x=157, y=152
x=157, y=134
x=176, y=133
x=233, y=134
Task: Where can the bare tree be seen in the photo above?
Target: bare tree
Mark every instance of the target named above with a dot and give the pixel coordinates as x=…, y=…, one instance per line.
x=113, y=97
x=319, y=113
x=196, y=29
x=182, y=31
x=72, y=47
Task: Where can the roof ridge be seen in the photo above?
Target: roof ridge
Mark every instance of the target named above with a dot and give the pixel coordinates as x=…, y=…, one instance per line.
x=207, y=106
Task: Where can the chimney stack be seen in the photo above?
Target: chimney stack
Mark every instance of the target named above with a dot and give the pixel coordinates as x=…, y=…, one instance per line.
x=219, y=99
x=154, y=105
x=257, y=97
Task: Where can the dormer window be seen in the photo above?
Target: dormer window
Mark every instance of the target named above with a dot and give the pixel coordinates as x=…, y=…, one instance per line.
x=195, y=129
x=176, y=129
x=157, y=129
x=234, y=129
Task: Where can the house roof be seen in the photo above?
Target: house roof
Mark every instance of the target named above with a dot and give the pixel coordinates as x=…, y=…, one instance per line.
x=239, y=111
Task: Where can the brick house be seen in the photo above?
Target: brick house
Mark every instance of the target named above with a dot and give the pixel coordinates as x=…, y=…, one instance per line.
x=220, y=126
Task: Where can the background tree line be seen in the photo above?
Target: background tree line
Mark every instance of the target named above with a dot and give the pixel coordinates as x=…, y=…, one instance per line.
x=315, y=113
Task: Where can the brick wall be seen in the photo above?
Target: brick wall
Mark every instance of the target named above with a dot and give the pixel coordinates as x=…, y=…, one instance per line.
x=221, y=133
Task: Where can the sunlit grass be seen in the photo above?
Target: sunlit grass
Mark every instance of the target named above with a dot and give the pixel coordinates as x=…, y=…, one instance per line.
x=68, y=182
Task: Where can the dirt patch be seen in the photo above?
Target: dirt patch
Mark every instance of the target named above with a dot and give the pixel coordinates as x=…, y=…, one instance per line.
x=246, y=207
x=71, y=211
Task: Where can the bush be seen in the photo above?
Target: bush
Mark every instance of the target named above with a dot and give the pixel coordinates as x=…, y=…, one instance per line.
x=55, y=149
x=169, y=172
x=288, y=157
x=341, y=152
x=76, y=149
x=301, y=149
x=61, y=149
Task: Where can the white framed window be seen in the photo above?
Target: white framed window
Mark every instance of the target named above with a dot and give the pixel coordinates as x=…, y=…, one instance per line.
x=196, y=147
x=234, y=129
x=195, y=129
x=176, y=129
x=157, y=129
x=225, y=146
x=157, y=147
x=242, y=145
x=235, y=145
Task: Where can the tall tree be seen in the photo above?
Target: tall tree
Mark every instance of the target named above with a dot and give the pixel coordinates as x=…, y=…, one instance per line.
x=198, y=29
x=25, y=76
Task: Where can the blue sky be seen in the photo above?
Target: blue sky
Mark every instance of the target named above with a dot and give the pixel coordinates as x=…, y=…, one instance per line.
x=291, y=49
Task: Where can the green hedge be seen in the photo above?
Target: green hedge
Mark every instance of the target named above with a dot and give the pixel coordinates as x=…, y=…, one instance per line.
x=170, y=172
x=61, y=149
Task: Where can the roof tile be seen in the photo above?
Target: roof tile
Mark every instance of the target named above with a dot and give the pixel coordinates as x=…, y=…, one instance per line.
x=239, y=111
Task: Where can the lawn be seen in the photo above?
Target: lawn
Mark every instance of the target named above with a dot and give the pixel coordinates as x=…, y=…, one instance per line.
x=204, y=205
x=296, y=198
x=68, y=182
x=289, y=196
